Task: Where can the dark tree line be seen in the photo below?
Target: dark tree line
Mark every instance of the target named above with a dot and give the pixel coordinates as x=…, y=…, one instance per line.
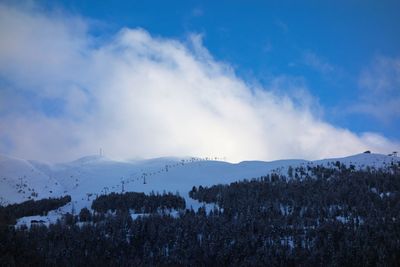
x=336, y=216
x=9, y=214
x=324, y=217
x=139, y=202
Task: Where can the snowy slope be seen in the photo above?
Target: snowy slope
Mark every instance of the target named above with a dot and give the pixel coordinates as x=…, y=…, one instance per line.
x=89, y=176
x=20, y=181
x=362, y=160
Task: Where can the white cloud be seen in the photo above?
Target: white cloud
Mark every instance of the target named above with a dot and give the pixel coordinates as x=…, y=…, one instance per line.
x=141, y=96
x=380, y=89
x=321, y=65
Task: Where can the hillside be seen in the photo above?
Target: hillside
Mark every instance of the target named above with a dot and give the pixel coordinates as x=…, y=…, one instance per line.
x=90, y=176
x=96, y=174
x=297, y=213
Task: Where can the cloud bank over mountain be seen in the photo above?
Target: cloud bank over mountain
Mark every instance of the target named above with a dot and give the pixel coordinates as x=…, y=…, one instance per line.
x=65, y=92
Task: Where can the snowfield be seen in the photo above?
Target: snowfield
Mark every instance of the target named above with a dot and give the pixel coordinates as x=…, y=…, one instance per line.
x=87, y=177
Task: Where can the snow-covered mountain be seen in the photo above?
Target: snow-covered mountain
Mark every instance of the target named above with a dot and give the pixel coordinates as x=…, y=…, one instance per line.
x=21, y=180
x=89, y=176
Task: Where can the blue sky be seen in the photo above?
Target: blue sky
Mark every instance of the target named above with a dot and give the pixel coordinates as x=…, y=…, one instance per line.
x=338, y=62
x=326, y=45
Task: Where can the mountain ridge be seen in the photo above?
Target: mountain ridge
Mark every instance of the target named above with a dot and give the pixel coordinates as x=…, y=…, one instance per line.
x=95, y=174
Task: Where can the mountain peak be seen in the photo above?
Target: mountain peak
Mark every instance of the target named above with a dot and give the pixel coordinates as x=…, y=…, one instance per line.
x=90, y=159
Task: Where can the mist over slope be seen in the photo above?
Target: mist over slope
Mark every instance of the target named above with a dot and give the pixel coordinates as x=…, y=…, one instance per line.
x=89, y=176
